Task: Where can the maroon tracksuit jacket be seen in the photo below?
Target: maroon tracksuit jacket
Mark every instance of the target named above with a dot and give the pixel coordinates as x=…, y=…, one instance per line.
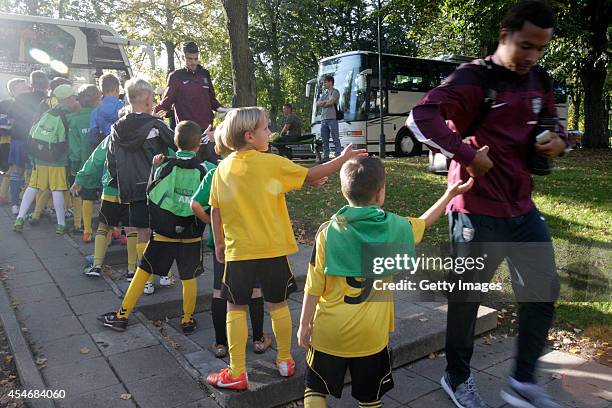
x=447, y=111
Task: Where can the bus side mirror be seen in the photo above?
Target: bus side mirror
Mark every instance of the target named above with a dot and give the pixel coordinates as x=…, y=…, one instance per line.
x=366, y=72
x=309, y=85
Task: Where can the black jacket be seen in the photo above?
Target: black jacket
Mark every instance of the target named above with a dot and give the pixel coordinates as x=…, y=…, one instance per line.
x=134, y=141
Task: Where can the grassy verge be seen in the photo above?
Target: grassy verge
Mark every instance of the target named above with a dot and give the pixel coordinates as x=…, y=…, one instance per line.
x=576, y=201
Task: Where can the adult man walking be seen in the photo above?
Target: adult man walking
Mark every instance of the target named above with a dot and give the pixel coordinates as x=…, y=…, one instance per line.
x=191, y=94
x=499, y=208
x=329, y=122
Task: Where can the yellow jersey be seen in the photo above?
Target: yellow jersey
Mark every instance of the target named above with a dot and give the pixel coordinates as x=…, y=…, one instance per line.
x=249, y=189
x=352, y=319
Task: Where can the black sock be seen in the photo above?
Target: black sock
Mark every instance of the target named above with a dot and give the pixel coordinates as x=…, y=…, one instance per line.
x=256, y=310
x=219, y=311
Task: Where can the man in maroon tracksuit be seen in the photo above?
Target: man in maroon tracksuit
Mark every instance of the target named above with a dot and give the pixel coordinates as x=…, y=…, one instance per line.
x=497, y=216
x=191, y=94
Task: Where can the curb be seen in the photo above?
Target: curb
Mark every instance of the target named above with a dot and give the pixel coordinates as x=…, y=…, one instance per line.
x=29, y=375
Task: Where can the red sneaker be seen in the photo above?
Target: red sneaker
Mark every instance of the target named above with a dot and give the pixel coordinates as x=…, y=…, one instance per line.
x=223, y=379
x=286, y=368
x=86, y=237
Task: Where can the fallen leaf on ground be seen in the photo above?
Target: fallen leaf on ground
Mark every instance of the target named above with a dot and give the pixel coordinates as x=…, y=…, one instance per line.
x=84, y=350
x=41, y=360
x=126, y=396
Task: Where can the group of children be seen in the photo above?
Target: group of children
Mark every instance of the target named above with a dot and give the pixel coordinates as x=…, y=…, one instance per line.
x=153, y=183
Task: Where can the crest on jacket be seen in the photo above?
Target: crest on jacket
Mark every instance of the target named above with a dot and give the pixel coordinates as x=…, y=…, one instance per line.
x=536, y=105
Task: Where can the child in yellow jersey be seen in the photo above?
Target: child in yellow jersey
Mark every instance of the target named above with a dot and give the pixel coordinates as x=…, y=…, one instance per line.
x=352, y=323
x=253, y=234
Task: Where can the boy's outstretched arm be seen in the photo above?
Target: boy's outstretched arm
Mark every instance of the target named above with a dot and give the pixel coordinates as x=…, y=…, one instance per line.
x=199, y=212
x=308, y=310
x=437, y=210
x=323, y=170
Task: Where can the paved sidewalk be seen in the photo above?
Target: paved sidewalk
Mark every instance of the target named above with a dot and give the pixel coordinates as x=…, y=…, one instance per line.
x=56, y=307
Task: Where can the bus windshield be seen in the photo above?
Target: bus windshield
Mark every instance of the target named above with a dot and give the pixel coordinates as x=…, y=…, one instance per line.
x=348, y=82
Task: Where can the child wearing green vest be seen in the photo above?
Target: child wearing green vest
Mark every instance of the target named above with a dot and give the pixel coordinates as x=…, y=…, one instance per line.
x=48, y=146
x=353, y=318
x=113, y=212
x=176, y=231
x=79, y=150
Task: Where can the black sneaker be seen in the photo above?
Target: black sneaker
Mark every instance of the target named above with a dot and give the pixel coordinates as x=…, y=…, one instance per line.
x=189, y=327
x=111, y=320
x=93, y=271
x=129, y=275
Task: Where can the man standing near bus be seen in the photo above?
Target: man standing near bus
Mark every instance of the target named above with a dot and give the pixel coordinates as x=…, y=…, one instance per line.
x=329, y=122
x=26, y=111
x=499, y=209
x=191, y=94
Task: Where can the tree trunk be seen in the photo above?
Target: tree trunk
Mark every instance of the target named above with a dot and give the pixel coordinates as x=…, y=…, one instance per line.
x=595, y=115
x=170, y=49
x=593, y=75
x=243, y=69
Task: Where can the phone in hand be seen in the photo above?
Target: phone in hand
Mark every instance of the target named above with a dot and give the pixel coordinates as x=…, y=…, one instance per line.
x=544, y=137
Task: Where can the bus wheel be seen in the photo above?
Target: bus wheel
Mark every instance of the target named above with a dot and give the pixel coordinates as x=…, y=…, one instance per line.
x=406, y=144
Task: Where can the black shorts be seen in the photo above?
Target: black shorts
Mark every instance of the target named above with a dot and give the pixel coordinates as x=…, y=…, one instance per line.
x=218, y=272
x=159, y=256
x=273, y=275
x=5, y=148
x=139, y=214
x=89, y=194
x=114, y=214
x=371, y=376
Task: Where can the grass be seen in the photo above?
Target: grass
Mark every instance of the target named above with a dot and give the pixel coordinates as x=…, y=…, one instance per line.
x=576, y=200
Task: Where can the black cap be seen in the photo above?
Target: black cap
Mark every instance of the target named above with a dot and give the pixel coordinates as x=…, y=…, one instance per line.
x=190, y=48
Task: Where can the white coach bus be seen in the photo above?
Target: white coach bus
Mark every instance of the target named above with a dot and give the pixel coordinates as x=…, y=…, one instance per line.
x=405, y=81
x=78, y=50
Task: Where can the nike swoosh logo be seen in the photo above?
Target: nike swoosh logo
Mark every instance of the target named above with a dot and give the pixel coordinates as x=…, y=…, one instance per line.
x=225, y=385
x=185, y=82
x=386, y=381
x=497, y=105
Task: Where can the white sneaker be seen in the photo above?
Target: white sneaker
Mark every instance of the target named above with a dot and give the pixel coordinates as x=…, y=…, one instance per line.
x=15, y=210
x=149, y=288
x=165, y=281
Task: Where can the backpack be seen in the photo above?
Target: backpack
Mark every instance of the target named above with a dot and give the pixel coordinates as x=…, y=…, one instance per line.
x=169, y=196
x=45, y=143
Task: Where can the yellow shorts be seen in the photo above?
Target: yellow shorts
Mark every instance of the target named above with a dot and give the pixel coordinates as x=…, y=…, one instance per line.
x=47, y=177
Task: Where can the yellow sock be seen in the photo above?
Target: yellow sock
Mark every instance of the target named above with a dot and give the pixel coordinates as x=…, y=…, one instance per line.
x=141, y=247
x=4, y=188
x=87, y=215
x=373, y=404
x=313, y=399
x=281, y=326
x=42, y=198
x=132, y=240
x=77, y=209
x=100, y=244
x=133, y=293
x=237, y=335
x=190, y=290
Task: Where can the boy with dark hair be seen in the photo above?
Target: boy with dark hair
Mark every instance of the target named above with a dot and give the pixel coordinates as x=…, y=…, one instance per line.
x=500, y=207
x=355, y=335
x=15, y=87
x=177, y=232
x=26, y=111
x=49, y=148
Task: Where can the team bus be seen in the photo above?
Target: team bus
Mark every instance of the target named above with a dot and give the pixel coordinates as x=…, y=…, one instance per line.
x=405, y=81
x=78, y=50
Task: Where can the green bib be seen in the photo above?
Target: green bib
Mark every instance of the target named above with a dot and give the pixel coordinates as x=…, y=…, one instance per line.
x=357, y=236
x=173, y=191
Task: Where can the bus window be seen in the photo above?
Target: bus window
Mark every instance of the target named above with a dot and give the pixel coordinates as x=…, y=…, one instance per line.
x=99, y=51
x=410, y=75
